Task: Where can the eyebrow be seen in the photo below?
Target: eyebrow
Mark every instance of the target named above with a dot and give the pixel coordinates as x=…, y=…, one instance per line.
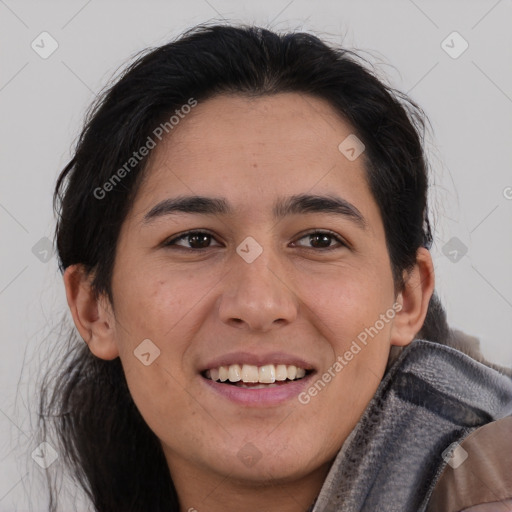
x=284, y=206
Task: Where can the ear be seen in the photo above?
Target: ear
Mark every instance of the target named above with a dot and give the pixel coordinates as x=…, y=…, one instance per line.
x=93, y=316
x=414, y=299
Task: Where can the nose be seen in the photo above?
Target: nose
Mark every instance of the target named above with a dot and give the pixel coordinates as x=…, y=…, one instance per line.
x=257, y=296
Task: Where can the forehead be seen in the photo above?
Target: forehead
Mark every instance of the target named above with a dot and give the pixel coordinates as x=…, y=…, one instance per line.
x=288, y=126
x=253, y=150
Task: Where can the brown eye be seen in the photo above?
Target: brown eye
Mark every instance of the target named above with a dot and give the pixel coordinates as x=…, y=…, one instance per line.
x=197, y=240
x=322, y=240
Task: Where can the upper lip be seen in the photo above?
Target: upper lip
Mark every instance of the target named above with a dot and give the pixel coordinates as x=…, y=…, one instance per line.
x=257, y=360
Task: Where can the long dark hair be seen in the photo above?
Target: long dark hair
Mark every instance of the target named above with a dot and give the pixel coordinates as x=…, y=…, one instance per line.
x=85, y=402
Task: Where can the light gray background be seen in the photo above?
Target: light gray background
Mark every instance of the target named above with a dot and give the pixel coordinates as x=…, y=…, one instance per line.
x=42, y=101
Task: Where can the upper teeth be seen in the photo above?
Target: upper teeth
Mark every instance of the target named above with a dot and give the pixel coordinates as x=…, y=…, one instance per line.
x=249, y=373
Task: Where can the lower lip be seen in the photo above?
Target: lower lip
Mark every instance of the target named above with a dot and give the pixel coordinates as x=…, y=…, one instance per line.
x=260, y=397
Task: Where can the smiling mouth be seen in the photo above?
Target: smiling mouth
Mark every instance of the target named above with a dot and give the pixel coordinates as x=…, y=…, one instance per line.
x=256, y=377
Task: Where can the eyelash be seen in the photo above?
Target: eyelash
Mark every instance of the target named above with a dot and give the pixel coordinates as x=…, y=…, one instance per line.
x=172, y=242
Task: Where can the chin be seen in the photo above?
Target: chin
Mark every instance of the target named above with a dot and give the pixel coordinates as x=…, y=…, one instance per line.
x=277, y=461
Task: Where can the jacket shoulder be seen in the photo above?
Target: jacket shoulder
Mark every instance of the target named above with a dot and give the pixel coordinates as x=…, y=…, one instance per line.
x=478, y=472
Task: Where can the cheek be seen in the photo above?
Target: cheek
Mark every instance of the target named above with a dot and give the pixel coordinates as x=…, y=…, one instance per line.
x=153, y=307
x=348, y=299
x=352, y=309
x=160, y=394
x=153, y=303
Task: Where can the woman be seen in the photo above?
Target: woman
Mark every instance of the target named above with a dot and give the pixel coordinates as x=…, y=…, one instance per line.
x=244, y=237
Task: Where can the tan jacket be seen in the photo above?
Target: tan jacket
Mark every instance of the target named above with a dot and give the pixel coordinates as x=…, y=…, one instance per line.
x=481, y=480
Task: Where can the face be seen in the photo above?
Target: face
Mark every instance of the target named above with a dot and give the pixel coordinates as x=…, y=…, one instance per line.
x=304, y=285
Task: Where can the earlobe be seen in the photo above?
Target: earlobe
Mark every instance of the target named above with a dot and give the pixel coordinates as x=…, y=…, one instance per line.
x=414, y=299
x=93, y=316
